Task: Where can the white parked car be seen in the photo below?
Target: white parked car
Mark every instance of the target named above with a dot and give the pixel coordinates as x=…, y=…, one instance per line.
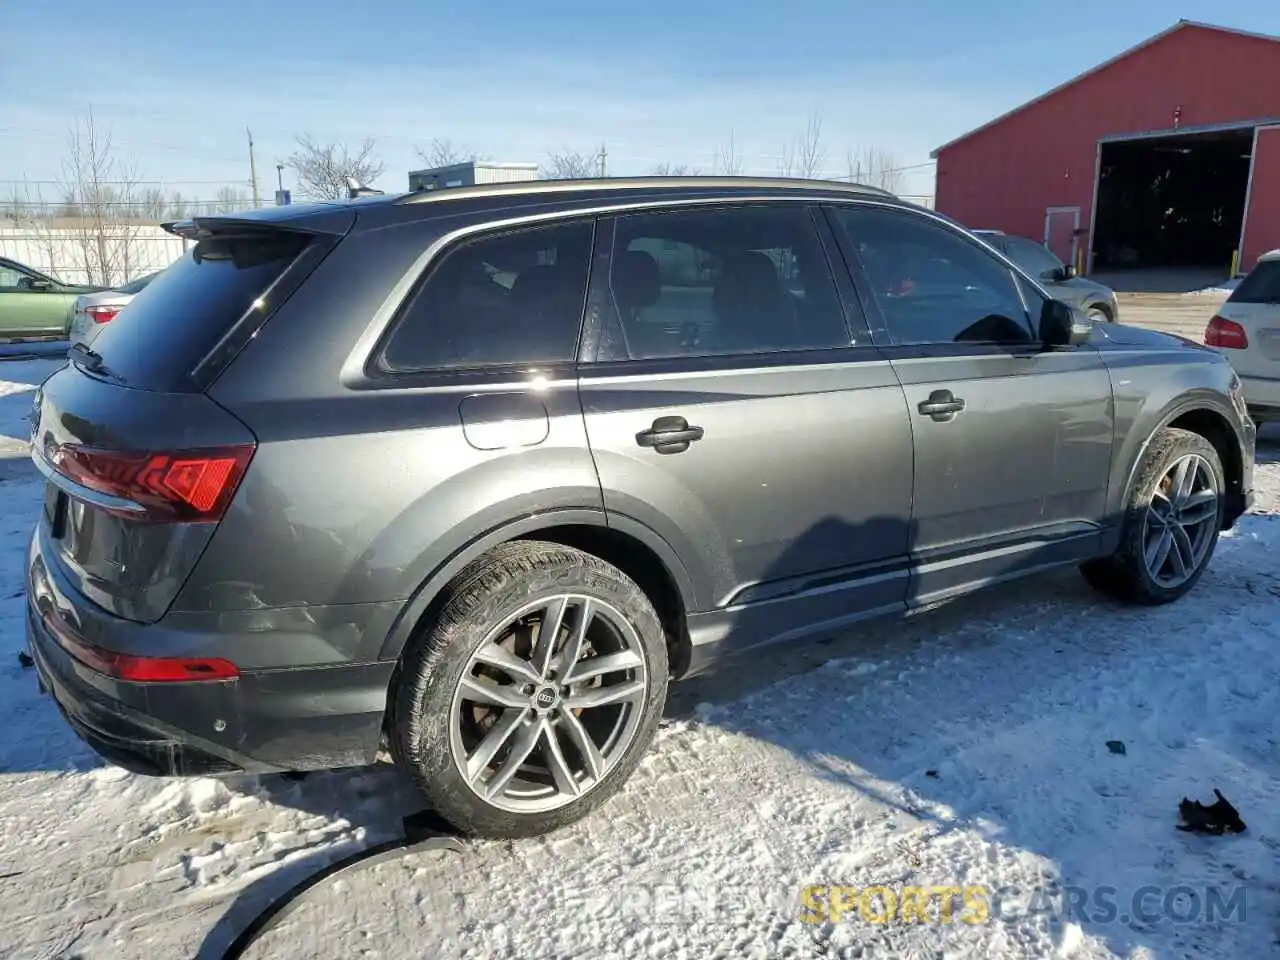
x=91, y=311
x=1247, y=330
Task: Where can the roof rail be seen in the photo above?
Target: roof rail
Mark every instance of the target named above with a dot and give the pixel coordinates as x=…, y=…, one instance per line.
x=528, y=187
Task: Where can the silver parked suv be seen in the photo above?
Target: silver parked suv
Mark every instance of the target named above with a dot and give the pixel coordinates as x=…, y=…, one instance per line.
x=473, y=474
x=1056, y=278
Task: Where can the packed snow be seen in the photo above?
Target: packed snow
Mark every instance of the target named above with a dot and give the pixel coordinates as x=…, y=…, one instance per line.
x=966, y=747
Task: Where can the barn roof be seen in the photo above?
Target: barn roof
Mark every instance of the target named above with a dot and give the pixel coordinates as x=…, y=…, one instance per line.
x=1180, y=25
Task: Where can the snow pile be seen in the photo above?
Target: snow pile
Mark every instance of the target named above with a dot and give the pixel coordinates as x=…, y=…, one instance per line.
x=964, y=748
x=1223, y=289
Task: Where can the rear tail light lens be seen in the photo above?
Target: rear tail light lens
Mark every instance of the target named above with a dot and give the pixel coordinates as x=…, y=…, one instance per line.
x=102, y=314
x=194, y=486
x=1226, y=334
x=124, y=666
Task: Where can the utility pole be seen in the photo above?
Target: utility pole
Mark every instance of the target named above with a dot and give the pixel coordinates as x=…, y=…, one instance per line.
x=253, y=171
x=603, y=157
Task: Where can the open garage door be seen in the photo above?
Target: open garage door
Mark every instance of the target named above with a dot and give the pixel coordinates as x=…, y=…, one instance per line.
x=1262, y=215
x=1172, y=200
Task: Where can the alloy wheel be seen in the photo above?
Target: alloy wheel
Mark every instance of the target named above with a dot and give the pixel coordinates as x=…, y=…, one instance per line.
x=1181, y=521
x=548, y=703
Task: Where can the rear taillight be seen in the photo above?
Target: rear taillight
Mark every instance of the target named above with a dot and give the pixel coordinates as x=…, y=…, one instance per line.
x=193, y=486
x=124, y=666
x=1226, y=334
x=102, y=314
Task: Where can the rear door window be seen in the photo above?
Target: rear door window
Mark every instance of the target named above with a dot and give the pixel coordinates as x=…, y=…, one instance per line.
x=720, y=282
x=1262, y=285
x=175, y=320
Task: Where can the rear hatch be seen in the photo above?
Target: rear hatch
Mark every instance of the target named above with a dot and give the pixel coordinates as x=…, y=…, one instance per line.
x=140, y=463
x=1255, y=305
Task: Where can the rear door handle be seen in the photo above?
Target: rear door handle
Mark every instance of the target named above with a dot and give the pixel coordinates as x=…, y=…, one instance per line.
x=669, y=435
x=941, y=406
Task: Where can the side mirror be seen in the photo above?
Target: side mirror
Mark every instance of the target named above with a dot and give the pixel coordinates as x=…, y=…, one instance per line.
x=1062, y=325
x=41, y=285
x=1068, y=272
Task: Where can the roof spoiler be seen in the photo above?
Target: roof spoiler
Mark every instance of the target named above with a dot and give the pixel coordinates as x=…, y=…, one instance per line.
x=202, y=228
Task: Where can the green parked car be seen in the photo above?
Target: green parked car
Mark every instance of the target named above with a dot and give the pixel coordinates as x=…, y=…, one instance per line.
x=33, y=305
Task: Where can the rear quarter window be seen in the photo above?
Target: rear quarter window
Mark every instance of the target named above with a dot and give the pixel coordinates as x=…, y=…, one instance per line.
x=1262, y=285
x=177, y=318
x=495, y=300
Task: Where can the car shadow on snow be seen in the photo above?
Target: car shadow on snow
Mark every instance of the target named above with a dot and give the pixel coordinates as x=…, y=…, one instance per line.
x=993, y=714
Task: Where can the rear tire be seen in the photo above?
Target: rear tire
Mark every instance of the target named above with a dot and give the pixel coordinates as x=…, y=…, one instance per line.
x=542, y=654
x=1171, y=523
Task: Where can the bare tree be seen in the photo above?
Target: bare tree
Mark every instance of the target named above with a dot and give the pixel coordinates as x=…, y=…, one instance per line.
x=29, y=209
x=70, y=206
x=152, y=204
x=727, y=162
x=322, y=169
x=671, y=170
x=230, y=200
x=803, y=156
x=570, y=165
x=18, y=207
x=445, y=153
x=177, y=206
x=103, y=192
x=875, y=167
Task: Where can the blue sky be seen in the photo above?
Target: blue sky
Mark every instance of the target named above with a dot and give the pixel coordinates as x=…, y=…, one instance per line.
x=177, y=83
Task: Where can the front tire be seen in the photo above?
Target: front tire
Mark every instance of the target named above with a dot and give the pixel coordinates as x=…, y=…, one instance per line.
x=534, y=694
x=1171, y=524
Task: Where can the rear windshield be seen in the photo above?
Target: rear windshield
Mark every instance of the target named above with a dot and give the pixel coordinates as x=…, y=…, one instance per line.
x=181, y=314
x=136, y=286
x=1036, y=259
x=1262, y=285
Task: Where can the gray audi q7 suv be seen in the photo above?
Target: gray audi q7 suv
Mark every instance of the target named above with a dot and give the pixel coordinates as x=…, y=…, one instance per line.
x=472, y=474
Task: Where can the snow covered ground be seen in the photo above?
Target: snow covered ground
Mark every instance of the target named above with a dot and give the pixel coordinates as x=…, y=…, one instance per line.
x=966, y=747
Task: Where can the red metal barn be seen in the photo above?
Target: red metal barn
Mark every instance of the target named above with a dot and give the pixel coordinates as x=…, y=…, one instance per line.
x=1167, y=155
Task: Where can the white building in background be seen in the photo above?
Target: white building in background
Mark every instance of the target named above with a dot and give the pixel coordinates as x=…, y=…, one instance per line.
x=471, y=173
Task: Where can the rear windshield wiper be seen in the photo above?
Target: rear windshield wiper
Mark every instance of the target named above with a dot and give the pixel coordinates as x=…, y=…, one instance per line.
x=92, y=361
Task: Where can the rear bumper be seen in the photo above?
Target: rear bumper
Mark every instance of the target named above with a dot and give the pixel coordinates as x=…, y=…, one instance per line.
x=304, y=718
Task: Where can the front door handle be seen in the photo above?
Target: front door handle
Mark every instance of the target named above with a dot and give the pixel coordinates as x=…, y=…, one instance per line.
x=669, y=435
x=941, y=406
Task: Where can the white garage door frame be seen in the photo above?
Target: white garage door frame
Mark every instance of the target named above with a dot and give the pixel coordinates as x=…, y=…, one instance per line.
x=1050, y=213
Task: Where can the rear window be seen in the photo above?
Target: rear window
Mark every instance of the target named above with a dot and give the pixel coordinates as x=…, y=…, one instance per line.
x=137, y=286
x=1262, y=285
x=181, y=314
x=1035, y=258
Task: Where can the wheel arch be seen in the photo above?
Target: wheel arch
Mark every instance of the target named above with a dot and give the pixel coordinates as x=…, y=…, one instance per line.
x=634, y=548
x=1102, y=307
x=1205, y=417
